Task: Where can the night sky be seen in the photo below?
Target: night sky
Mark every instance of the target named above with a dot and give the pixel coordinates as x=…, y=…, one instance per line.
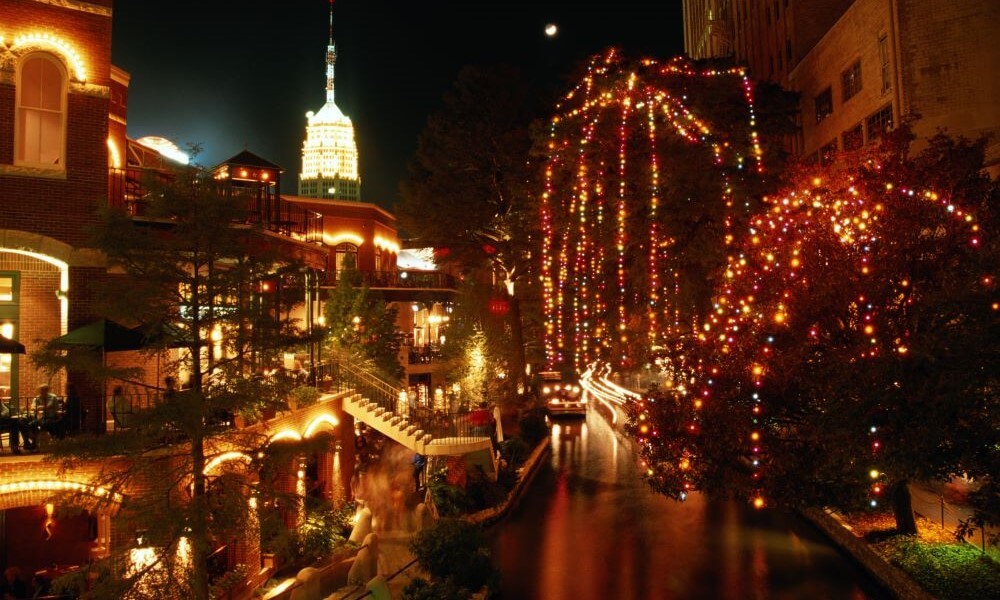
x=246, y=80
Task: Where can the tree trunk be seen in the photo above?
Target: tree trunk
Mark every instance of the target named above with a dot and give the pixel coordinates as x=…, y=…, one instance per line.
x=517, y=339
x=199, y=533
x=902, y=508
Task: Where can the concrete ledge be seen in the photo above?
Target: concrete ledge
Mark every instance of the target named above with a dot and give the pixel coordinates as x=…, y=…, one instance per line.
x=893, y=579
x=490, y=516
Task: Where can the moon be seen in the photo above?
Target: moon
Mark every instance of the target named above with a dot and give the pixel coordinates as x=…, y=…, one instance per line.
x=551, y=29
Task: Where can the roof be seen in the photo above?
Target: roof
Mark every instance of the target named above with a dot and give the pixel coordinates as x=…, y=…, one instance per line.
x=330, y=114
x=325, y=206
x=249, y=159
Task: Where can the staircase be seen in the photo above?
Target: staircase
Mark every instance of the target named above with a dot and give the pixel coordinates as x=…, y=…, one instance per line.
x=420, y=429
x=416, y=436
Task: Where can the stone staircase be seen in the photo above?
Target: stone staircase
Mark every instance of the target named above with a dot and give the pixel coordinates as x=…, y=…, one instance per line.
x=401, y=430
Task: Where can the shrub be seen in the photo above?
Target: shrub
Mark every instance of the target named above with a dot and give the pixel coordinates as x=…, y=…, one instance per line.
x=421, y=589
x=455, y=550
x=305, y=395
x=482, y=491
x=948, y=571
x=533, y=427
x=450, y=500
x=515, y=451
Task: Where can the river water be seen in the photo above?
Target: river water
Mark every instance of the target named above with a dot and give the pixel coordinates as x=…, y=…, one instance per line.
x=589, y=529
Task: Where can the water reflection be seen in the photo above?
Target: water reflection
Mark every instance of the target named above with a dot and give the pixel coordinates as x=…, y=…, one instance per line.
x=590, y=529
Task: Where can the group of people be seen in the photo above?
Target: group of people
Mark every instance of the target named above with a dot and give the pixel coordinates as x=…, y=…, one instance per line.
x=46, y=412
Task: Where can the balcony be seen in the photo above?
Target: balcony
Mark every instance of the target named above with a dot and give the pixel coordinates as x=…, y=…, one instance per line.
x=129, y=189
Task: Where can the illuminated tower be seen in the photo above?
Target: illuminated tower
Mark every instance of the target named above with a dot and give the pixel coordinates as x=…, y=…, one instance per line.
x=329, y=153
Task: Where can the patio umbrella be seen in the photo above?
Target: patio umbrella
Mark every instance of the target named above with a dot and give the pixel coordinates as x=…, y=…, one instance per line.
x=9, y=346
x=104, y=334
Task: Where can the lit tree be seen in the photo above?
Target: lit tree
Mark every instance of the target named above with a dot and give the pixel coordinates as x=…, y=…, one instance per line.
x=186, y=276
x=651, y=167
x=854, y=347
x=361, y=323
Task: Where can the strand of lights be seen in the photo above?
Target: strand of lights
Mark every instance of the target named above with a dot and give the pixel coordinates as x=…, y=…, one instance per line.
x=52, y=42
x=59, y=486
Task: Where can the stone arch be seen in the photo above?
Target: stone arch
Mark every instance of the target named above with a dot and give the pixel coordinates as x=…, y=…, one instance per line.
x=49, y=249
x=322, y=422
x=35, y=492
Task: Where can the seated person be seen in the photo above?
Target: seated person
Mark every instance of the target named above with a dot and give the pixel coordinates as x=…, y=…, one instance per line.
x=15, y=425
x=47, y=411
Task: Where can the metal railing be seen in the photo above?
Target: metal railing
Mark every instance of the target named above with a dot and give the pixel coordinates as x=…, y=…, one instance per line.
x=407, y=279
x=421, y=355
x=129, y=189
x=460, y=426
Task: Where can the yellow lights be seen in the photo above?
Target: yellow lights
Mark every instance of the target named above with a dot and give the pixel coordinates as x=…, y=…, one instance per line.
x=758, y=502
x=114, y=155
x=869, y=329
x=684, y=465
x=285, y=434
x=386, y=244
x=779, y=317
x=58, y=486
x=57, y=44
x=755, y=436
x=343, y=237
x=225, y=457
x=322, y=419
x=874, y=474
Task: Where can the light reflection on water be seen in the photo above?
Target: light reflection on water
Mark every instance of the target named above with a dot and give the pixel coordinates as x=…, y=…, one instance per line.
x=589, y=528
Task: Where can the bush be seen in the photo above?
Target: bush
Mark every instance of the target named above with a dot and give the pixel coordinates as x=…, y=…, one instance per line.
x=515, y=451
x=450, y=500
x=305, y=395
x=533, y=427
x=482, y=491
x=421, y=589
x=455, y=550
x=948, y=571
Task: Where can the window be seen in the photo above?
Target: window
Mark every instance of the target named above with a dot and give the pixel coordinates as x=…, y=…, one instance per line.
x=6, y=288
x=853, y=138
x=850, y=81
x=346, y=257
x=378, y=259
x=883, y=59
x=828, y=153
x=879, y=122
x=824, y=104
x=40, y=135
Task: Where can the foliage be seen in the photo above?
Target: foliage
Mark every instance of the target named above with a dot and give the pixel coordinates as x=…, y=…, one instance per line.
x=515, y=451
x=450, y=500
x=650, y=169
x=532, y=426
x=483, y=491
x=305, y=395
x=323, y=531
x=854, y=345
x=360, y=322
x=948, y=571
x=455, y=550
x=422, y=589
x=183, y=274
x=229, y=581
x=472, y=172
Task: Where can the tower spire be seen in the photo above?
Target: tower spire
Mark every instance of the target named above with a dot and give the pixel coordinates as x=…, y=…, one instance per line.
x=331, y=59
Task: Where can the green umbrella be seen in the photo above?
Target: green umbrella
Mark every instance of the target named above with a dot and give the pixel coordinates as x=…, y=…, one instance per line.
x=104, y=334
x=9, y=346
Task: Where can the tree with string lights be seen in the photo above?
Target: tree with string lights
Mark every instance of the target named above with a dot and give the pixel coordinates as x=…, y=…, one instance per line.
x=853, y=348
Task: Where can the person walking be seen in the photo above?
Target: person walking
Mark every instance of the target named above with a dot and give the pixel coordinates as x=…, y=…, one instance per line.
x=419, y=463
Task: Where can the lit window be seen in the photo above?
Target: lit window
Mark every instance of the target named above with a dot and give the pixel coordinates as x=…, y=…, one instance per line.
x=6, y=289
x=879, y=122
x=824, y=104
x=828, y=153
x=883, y=58
x=850, y=81
x=41, y=108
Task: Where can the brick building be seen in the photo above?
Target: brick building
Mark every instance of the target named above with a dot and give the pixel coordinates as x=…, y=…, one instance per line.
x=861, y=65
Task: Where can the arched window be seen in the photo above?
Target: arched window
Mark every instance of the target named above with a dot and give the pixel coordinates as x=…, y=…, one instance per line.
x=40, y=135
x=346, y=256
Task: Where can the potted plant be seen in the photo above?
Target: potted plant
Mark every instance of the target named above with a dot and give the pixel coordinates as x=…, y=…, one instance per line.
x=303, y=396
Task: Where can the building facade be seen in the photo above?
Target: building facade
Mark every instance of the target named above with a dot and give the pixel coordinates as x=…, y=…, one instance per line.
x=862, y=65
x=329, y=152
